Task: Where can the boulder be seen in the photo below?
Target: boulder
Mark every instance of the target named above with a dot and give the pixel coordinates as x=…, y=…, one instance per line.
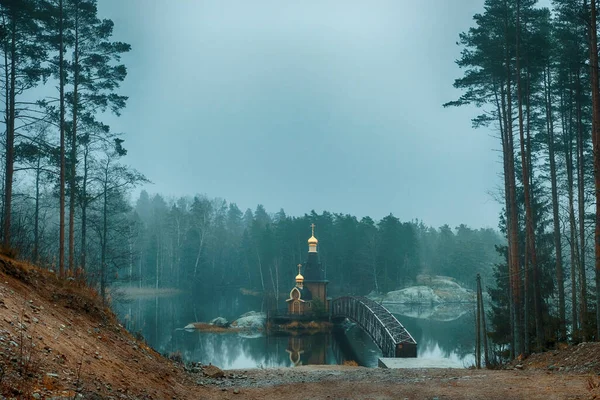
x=213, y=372
x=251, y=320
x=219, y=321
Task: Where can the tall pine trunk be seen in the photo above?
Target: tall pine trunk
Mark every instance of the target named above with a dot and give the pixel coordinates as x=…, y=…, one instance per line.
x=61, y=244
x=103, y=266
x=10, y=134
x=596, y=148
x=529, y=221
x=574, y=251
x=73, y=165
x=513, y=229
x=503, y=123
x=581, y=209
x=36, y=221
x=84, y=204
x=555, y=201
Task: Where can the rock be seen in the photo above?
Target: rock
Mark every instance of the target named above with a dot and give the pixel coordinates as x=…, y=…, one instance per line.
x=219, y=321
x=236, y=391
x=519, y=366
x=213, y=372
x=36, y=396
x=251, y=320
x=190, y=326
x=431, y=290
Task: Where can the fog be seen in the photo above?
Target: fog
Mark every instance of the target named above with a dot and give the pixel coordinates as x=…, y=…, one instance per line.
x=331, y=105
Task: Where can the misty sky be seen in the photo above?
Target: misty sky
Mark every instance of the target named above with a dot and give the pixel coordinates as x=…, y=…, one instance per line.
x=306, y=104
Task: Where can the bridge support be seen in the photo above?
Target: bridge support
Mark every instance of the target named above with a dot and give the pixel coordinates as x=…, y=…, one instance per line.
x=406, y=350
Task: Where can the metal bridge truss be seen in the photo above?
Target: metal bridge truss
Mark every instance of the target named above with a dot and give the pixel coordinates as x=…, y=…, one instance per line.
x=385, y=330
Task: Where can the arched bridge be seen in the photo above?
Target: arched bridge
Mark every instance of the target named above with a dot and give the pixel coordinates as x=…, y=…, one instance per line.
x=385, y=330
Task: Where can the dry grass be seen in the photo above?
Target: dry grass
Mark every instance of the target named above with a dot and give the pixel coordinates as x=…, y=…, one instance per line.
x=204, y=327
x=72, y=293
x=292, y=325
x=8, y=252
x=350, y=363
x=322, y=325
x=562, y=346
x=312, y=326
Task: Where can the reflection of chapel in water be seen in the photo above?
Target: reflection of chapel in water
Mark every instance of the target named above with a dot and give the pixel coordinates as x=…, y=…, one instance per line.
x=309, y=296
x=308, y=350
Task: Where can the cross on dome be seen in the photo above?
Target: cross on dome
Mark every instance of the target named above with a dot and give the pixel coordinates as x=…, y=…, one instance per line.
x=312, y=242
x=299, y=277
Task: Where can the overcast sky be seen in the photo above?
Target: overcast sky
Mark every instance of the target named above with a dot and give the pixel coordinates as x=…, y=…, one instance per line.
x=306, y=104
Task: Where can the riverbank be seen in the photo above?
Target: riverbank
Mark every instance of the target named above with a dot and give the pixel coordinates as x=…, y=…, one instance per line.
x=57, y=340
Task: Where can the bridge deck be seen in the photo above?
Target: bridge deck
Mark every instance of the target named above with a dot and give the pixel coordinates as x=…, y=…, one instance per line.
x=386, y=331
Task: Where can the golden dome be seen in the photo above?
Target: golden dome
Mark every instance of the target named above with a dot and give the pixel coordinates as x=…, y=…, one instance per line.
x=299, y=278
x=313, y=240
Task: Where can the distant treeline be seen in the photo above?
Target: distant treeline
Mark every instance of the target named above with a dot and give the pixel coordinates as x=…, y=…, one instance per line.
x=204, y=243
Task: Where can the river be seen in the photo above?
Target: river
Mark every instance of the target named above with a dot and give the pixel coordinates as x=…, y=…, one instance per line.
x=159, y=319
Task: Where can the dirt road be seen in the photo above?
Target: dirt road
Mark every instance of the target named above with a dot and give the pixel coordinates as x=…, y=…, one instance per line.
x=335, y=382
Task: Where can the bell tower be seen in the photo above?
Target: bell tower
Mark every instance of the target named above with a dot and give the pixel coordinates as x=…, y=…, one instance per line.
x=313, y=272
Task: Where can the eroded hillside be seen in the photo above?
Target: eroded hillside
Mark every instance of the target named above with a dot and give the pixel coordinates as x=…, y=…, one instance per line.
x=56, y=338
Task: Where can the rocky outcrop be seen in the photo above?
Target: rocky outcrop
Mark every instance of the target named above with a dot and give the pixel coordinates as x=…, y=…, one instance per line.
x=251, y=320
x=431, y=290
x=219, y=321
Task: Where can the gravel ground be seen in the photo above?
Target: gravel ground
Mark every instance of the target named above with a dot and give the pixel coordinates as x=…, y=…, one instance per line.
x=338, y=382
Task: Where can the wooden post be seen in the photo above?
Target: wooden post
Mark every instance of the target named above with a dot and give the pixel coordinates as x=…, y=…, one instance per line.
x=482, y=313
x=477, y=333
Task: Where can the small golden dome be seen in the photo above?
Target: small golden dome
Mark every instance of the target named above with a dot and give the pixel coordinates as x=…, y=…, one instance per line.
x=313, y=240
x=299, y=278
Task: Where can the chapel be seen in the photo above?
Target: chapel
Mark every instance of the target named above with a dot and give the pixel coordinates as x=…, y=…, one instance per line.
x=309, y=295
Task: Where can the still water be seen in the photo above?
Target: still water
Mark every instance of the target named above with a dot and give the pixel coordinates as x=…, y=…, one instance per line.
x=440, y=334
